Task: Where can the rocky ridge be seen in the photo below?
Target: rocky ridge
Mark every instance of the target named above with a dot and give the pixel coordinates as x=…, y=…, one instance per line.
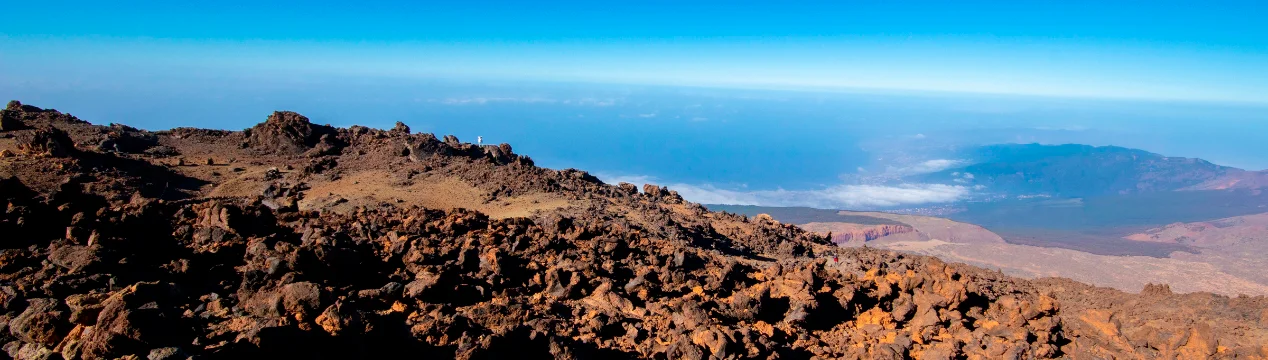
x=845, y=233
x=123, y=243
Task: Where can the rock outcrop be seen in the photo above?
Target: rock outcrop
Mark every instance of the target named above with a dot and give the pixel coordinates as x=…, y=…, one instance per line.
x=869, y=233
x=46, y=141
x=289, y=133
x=9, y=119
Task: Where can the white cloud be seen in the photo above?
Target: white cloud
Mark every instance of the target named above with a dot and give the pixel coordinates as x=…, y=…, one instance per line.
x=925, y=167
x=487, y=100
x=835, y=197
x=617, y=179
x=1062, y=128
x=591, y=102
x=523, y=100
x=919, y=136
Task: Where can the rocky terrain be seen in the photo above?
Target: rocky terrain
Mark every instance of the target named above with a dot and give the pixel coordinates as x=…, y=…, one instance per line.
x=297, y=240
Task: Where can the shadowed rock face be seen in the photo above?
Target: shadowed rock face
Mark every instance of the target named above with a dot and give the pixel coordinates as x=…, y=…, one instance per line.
x=46, y=141
x=88, y=273
x=16, y=116
x=846, y=233
x=9, y=118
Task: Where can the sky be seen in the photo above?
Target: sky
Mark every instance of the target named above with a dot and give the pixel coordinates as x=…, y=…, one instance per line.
x=792, y=103
x=1173, y=50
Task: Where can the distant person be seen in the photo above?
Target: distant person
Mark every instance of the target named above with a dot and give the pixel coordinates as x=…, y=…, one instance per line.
x=480, y=140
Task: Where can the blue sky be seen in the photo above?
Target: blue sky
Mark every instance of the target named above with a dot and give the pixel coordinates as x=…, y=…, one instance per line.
x=1216, y=51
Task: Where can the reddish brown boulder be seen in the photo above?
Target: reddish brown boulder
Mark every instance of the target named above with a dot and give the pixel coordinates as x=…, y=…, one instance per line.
x=46, y=141
x=301, y=300
x=286, y=132
x=399, y=129
x=628, y=188
x=135, y=320
x=44, y=322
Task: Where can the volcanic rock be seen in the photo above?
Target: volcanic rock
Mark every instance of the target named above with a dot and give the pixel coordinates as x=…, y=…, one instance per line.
x=46, y=141
x=134, y=320
x=400, y=129
x=1156, y=290
x=126, y=139
x=10, y=121
x=167, y=353
x=43, y=322
x=286, y=132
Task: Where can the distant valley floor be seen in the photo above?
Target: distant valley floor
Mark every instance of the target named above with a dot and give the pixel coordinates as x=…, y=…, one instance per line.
x=1221, y=256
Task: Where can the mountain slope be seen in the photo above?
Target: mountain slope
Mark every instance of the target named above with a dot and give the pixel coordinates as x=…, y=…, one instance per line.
x=1236, y=244
x=1223, y=269
x=1081, y=170
x=297, y=240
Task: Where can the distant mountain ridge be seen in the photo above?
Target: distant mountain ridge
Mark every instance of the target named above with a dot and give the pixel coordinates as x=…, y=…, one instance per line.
x=802, y=215
x=1073, y=170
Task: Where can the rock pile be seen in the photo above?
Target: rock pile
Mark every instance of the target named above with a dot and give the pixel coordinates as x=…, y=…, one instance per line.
x=46, y=141
x=238, y=280
x=289, y=133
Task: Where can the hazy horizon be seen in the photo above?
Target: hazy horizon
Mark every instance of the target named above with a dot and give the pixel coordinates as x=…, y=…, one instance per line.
x=764, y=147
x=778, y=104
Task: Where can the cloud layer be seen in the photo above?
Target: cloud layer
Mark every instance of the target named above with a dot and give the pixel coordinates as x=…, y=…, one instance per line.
x=524, y=100
x=848, y=197
x=925, y=167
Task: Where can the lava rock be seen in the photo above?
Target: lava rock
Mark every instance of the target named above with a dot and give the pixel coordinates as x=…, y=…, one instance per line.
x=43, y=322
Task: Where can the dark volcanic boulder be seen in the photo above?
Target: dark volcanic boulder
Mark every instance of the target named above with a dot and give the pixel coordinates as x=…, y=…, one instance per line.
x=167, y=353
x=628, y=188
x=17, y=116
x=289, y=133
x=135, y=320
x=126, y=139
x=47, y=141
x=399, y=129
x=43, y=322
x=301, y=300
x=10, y=123
x=662, y=193
x=76, y=258
x=298, y=300
x=421, y=146
x=9, y=117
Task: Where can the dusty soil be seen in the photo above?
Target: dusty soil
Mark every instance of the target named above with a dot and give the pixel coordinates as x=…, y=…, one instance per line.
x=293, y=240
x=1230, y=260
